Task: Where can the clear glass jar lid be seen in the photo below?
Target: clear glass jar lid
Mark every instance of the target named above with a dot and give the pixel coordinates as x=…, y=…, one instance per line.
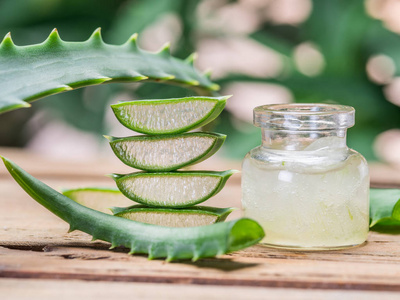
x=304, y=116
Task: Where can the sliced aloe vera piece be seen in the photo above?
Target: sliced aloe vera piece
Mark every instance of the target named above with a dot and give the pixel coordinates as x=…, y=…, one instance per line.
x=172, y=189
x=166, y=153
x=168, y=116
x=173, y=217
x=98, y=198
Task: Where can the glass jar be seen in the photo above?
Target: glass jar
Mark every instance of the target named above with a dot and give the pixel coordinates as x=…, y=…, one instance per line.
x=303, y=184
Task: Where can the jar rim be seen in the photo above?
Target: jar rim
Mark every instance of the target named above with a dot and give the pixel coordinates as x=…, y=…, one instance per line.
x=304, y=116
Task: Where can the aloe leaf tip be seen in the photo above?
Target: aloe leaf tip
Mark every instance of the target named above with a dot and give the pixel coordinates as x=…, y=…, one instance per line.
x=114, y=176
x=108, y=137
x=226, y=97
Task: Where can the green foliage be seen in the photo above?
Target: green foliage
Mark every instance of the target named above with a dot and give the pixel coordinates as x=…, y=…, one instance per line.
x=385, y=210
x=195, y=215
x=54, y=66
x=175, y=150
x=31, y=20
x=148, y=188
x=156, y=241
x=342, y=31
x=176, y=115
x=346, y=37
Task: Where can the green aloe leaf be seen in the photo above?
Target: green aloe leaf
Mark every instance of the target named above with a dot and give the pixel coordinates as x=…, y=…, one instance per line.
x=157, y=241
x=166, y=152
x=98, y=198
x=106, y=199
x=168, y=116
x=172, y=189
x=385, y=210
x=173, y=217
x=35, y=71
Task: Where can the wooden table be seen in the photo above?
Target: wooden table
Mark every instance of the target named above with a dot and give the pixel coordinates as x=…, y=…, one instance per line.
x=40, y=260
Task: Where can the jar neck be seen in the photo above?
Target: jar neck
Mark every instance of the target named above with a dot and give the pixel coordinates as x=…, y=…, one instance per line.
x=299, y=140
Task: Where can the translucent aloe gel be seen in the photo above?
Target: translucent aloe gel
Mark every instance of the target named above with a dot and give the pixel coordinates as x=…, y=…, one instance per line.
x=303, y=184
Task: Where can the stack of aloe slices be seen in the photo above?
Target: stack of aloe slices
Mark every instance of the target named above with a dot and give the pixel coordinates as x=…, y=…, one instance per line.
x=166, y=196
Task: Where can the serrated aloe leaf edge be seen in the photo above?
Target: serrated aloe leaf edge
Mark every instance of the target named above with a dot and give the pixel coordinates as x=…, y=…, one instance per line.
x=156, y=241
x=137, y=163
x=54, y=66
x=120, y=179
x=120, y=112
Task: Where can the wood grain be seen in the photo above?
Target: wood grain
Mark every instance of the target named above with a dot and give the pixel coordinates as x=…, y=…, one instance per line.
x=22, y=289
x=35, y=245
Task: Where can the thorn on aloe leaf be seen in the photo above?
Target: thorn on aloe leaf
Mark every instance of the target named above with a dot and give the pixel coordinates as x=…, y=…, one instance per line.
x=196, y=257
x=214, y=87
x=113, y=245
x=65, y=87
x=208, y=73
x=139, y=78
x=131, y=43
x=133, y=249
x=165, y=50
x=96, y=38
x=192, y=82
x=7, y=42
x=191, y=58
x=220, y=252
x=104, y=79
x=171, y=255
x=134, y=76
x=167, y=77
x=53, y=39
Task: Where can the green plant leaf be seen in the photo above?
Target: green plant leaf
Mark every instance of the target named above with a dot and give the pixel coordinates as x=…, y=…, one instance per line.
x=54, y=66
x=168, y=116
x=157, y=241
x=172, y=189
x=98, y=198
x=385, y=209
x=106, y=199
x=166, y=152
x=173, y=217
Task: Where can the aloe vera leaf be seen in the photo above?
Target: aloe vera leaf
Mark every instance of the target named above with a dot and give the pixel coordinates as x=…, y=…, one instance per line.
x=103, y=199
x=98, y=198
x=171, y=189
x=35, y=71
x=169, y=116
x=166, y=152
x=157, y=241
x=174, y=217
x=385, y=209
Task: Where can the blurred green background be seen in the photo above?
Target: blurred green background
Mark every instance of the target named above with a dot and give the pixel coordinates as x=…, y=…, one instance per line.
x=262, y=51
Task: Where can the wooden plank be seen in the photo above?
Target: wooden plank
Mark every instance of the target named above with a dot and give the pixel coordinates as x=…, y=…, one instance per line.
x=232, y=270
x=22, y=289
x=26, y=226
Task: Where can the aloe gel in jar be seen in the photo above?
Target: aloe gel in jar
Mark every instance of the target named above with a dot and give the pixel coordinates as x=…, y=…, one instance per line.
x=303, y=184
